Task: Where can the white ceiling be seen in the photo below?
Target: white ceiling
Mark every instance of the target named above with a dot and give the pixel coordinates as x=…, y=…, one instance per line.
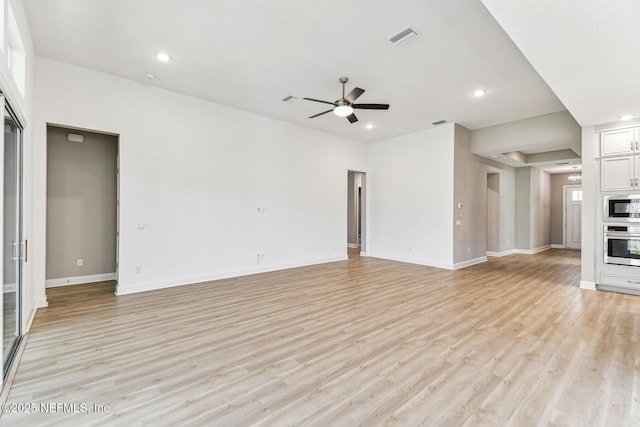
x=249, y=54
x=586, y=50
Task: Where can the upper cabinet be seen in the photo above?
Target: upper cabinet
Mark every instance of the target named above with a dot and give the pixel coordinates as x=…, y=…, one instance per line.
x=619, y=142
x=620, y=173
x=620, y=162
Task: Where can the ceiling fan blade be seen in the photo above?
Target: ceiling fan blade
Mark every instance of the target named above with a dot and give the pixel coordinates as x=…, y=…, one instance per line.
x=371, y=106
x=319, y=100
x=354, y=94
x=352, y=118
x=319, y=114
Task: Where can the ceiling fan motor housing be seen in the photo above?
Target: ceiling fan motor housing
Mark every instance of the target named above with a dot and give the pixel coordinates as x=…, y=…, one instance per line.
x=344, y=106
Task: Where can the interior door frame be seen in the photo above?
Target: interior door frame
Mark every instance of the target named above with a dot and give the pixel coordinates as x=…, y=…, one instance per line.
x=359, y=201
x=118, y=180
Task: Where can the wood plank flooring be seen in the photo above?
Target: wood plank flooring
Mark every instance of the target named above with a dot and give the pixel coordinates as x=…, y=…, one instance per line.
x=361, y=342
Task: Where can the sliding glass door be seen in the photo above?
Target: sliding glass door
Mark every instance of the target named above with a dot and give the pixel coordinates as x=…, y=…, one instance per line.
x=13, y=247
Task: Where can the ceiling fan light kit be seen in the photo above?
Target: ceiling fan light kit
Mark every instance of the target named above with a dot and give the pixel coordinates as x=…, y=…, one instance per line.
x=343, y=110
x=344, y=106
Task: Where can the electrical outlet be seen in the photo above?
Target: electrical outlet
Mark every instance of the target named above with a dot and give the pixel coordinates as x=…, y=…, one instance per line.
x=260, y=257
x=79, y=262
x=138, y=269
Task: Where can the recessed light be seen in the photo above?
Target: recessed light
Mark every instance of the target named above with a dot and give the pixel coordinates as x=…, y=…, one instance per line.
x=369, y=126
x=479, y=92
x=626, y=117
x=163, y=57
x=151, y=76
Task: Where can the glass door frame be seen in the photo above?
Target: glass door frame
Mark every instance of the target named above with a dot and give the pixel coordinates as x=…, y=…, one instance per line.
x=7, y=357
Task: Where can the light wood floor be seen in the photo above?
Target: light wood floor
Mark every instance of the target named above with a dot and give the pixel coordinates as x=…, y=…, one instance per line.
x=362, y=342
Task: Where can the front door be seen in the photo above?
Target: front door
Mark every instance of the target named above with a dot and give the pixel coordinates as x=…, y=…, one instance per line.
x=573, y=217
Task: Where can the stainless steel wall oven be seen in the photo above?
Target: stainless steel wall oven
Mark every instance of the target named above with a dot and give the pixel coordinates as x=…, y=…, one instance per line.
x=622, y=244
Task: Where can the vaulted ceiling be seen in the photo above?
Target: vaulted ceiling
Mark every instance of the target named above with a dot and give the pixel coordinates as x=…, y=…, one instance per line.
x=249, y=54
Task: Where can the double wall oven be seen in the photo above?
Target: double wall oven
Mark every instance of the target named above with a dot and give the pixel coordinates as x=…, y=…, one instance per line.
x=622, y=229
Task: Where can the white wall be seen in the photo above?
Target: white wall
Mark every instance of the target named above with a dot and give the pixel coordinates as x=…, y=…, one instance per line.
x=22, y=106
x=591, y=234
x=410, y=194
x=196, y=173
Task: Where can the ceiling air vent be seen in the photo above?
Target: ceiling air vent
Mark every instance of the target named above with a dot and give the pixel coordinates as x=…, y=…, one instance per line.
x=289, y=98
x=403, y=37
x=75, y=137
x=439, y=122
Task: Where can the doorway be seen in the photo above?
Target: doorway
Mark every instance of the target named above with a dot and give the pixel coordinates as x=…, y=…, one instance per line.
x=493, y=214
x=572, y=217
x=82, y=206
x=356, y=221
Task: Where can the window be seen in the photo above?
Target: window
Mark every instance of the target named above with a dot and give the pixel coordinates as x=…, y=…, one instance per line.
x=16, y=58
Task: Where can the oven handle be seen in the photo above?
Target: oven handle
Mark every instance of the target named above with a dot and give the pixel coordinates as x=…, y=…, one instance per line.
x=622, y=235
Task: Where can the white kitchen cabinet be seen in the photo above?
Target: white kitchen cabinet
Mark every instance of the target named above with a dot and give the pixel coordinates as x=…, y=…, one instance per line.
x=619, y=142
x=620, y=173
x=626, y=282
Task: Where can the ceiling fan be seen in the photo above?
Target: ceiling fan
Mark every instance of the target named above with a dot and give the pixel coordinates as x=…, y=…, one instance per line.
x=344, y=106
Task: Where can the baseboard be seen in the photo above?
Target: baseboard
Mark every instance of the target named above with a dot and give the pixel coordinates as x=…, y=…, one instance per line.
x=364, y=253
x=532, y=251
x=500, y=254
x=556, y=246
x=469, y=262
x=32, y=315
x=42, y=302
x=78, y=280
x=591, y=286
x=427, y=263
x=151, y=286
